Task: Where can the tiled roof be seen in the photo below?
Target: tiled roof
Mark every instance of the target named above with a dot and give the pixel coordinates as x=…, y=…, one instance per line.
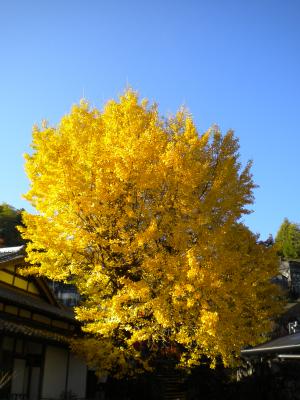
x=15, y=249
x=32, y=302
x=286, y=343
x=21, y=329
x=11, y=253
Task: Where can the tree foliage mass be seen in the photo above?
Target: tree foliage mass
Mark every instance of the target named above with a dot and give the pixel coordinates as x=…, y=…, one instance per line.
x=142, y=214
x=10, y=218
x=288, y=240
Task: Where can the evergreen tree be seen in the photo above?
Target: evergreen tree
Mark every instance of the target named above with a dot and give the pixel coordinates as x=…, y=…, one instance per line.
x=268, y=242
x=10, y=218
x=288, y=240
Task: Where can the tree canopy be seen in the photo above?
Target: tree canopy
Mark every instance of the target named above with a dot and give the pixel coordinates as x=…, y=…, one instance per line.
x=10, y=218
x=143, y=214
x=288, y=240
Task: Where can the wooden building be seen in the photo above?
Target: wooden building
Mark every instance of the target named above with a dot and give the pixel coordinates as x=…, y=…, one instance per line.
x=34, y=333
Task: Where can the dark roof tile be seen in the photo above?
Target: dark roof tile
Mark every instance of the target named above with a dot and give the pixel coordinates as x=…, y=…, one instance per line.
x=21, y=329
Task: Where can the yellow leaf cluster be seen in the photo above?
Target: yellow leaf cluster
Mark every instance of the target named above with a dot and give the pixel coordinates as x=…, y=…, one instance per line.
x=142, y=214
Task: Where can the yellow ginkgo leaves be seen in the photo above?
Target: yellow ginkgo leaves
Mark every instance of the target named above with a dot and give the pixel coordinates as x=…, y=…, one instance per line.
x=142, y=213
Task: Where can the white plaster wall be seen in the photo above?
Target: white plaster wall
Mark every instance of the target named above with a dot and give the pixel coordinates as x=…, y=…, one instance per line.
x=77, y=376
x=55, y=369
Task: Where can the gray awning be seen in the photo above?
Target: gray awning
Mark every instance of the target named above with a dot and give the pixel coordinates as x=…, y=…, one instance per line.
x=285, y=344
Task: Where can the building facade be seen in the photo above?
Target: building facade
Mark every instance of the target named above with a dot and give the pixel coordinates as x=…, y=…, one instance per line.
x=35, y=329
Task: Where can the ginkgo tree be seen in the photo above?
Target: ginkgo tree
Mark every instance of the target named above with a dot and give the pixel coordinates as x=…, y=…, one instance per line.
x=142, y=213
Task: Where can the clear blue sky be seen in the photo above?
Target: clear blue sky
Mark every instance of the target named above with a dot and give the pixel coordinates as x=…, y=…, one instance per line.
x=234, y=63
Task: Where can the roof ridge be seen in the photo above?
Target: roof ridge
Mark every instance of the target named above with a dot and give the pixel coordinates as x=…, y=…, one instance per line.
x=12, y=249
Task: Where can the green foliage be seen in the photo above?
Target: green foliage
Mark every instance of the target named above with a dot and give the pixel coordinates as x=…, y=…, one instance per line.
x=288, y=240
x=10, y=218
